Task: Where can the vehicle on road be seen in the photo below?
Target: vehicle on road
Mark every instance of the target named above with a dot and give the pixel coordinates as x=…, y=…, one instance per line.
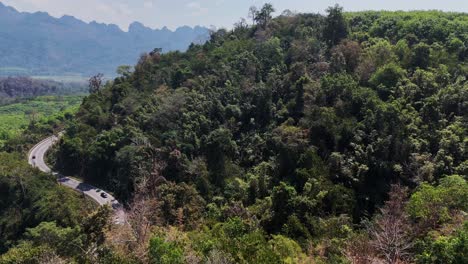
x=36, y=157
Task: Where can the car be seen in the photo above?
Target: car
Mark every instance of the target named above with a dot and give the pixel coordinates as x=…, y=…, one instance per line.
x=98, y=190
x=34, y=157
x=104, y=195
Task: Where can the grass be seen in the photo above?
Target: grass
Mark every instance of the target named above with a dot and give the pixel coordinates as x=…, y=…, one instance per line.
x=14, y=118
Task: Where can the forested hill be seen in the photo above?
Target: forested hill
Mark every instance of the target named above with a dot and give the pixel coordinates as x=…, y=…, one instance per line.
x=38, y=44
x=276, y=141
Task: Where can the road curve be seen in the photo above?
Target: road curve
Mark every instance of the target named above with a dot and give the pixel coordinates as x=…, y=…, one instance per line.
x=36, y=159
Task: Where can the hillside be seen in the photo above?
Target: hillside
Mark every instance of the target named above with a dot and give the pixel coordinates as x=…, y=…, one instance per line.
x=305, y=138
x=38, y=44
x=298, y=126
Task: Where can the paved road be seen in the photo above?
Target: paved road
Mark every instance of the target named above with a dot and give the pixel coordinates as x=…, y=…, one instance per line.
x=36, y=159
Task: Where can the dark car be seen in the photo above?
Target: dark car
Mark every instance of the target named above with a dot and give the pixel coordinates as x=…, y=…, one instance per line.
x=104, y=195
x=34, y=157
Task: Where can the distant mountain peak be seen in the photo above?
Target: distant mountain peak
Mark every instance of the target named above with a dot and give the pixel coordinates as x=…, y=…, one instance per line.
x=67, y=17
x=138, y=27
x=7, y=8
x=68, y=45
x=137, y=24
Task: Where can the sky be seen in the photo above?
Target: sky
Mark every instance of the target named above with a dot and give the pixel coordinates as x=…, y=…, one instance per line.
x=218, y=13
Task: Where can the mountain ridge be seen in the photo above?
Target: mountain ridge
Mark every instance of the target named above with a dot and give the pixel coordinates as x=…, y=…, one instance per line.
x=39, y=44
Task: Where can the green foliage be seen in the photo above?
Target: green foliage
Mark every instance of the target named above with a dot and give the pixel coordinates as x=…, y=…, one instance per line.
x=388, y=76
x=27, y=253
x=161, y=252
x=335, y=28
x=244, y=243
x=295, y=127
x=15, y=118
x=386, y=79
x=180, y=204
x=66, y=241
x=263, y=16
x=436, y=205
x=29, y=198
x=444, y=248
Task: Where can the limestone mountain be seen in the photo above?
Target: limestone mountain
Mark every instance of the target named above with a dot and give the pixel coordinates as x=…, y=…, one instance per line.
x=39, y=44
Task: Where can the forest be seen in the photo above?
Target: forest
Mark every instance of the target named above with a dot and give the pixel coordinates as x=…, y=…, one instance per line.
x=13, y=89
x=301, y=138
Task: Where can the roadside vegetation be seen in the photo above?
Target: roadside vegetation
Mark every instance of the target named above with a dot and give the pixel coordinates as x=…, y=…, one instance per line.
x=34, y=208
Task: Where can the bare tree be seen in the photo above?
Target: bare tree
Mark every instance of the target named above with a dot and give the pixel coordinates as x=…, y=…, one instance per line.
x=95, y=83
x=253, y=11
x=391, y=233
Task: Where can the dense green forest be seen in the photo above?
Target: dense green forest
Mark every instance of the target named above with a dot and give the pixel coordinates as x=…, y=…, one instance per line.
x=305, y=138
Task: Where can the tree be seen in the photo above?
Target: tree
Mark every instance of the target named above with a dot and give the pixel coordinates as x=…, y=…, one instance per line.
x=96, y=224
x=298, y=111
x=263, y=16
x=179, y=204
x=64, y=241
x=253, y=10
x=95, y=83
x=124, y=70
x=387, y=76
x=283, y=198
x=141, y=217
x=335, y=28
x=163, y=252
x=442, y=249
x=391, y=232
x=350, y=52
x=219, y=147
x=433, y=206
x=421, y=55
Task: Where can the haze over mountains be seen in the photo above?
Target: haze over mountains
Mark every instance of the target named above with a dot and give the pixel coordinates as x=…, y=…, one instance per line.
x=39, y=44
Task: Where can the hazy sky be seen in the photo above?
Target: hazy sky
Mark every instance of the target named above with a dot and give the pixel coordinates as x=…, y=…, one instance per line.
x=220, y=13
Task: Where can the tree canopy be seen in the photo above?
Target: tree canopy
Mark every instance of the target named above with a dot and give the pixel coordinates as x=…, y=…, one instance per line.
x=301, y=138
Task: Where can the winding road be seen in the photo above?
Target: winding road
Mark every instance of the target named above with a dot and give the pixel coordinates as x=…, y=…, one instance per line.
x=36, y=159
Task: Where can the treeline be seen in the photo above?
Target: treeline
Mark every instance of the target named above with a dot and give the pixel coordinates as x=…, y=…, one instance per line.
x=14, y=88
x=301, y=139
